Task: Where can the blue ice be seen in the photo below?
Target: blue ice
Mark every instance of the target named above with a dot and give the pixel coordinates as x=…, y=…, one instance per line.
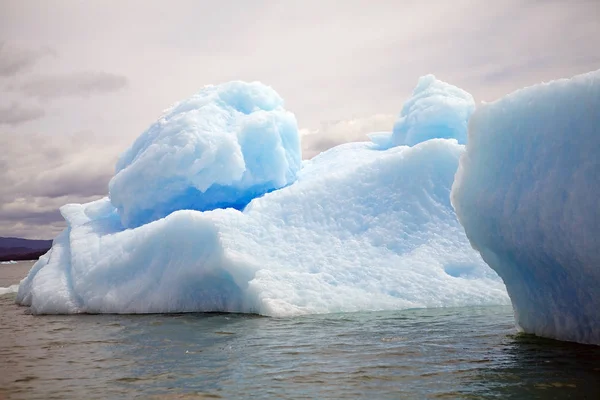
x=527, y=194
x=212, y=210
x=435, y=110
x=220, y=148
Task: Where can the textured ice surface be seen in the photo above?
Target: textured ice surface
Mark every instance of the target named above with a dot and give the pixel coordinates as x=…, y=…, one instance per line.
x=527, y=194
x=435, y=110
x=220, y=148
x=359, y=229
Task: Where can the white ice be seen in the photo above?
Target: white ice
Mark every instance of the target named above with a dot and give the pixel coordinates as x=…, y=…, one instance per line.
x=8, y=290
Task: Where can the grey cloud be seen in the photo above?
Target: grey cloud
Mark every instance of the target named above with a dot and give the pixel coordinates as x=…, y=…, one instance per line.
x=53, y=166
x=14, y=60
x=35, y=217
x=72, y=183
x=26, y=229
x=78, y=84
x=46, y=172
x=331, y=134
x=32, y=216
x=16, y=115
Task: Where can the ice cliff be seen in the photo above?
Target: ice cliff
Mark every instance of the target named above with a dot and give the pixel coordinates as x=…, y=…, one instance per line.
x=527, y=194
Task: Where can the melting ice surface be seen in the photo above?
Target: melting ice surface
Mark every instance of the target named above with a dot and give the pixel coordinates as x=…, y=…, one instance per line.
x=212, y=210
x=527, y=194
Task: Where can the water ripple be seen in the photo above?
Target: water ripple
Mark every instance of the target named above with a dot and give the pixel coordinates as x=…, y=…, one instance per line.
x=436, y=353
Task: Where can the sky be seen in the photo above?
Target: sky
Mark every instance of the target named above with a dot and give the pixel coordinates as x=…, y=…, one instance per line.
x=80, y=80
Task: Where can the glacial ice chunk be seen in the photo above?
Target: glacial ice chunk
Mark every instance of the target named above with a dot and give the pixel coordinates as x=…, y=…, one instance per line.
x=356, y=228
x=527, y=194
x=220, y=148
x=435, y=110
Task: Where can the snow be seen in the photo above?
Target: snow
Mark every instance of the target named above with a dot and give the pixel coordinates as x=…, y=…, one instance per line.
x=8, y=262
x=356, y=228
x=527, y=194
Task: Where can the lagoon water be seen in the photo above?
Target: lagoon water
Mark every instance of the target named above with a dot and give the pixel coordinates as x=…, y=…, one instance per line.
x=432, y=353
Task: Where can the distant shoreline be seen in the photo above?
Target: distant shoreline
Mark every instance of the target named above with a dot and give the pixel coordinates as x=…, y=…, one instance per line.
x=32, y=256
x=19, y=249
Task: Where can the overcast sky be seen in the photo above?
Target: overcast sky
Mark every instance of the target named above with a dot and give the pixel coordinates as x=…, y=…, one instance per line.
x=79, y=80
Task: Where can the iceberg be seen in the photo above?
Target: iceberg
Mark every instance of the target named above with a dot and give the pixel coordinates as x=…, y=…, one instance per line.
x=234, y=222
x=527, y=192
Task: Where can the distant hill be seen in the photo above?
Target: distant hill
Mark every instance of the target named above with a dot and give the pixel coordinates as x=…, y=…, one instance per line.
x=22, y=249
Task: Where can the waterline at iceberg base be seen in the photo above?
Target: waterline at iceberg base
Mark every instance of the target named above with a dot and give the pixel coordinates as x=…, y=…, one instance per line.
x=527, y=194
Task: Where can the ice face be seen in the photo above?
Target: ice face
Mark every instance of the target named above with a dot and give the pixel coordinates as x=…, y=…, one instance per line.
x=527, y=194
x=357, y=228
x=220, y=148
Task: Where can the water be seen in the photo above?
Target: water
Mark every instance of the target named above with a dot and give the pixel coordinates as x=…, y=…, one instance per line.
x=436, y=353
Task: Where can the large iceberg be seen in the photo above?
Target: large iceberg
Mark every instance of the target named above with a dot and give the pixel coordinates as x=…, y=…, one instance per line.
x=527, y=194
x=250, y=229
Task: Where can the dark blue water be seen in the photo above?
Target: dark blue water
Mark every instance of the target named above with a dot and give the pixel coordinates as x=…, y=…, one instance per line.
x=435, y=353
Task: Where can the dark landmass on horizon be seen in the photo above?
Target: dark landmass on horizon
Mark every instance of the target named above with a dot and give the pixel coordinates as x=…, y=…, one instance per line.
x=17, y=249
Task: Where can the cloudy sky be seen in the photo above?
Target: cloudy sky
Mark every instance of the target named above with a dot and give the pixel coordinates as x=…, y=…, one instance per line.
x=79, y=80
